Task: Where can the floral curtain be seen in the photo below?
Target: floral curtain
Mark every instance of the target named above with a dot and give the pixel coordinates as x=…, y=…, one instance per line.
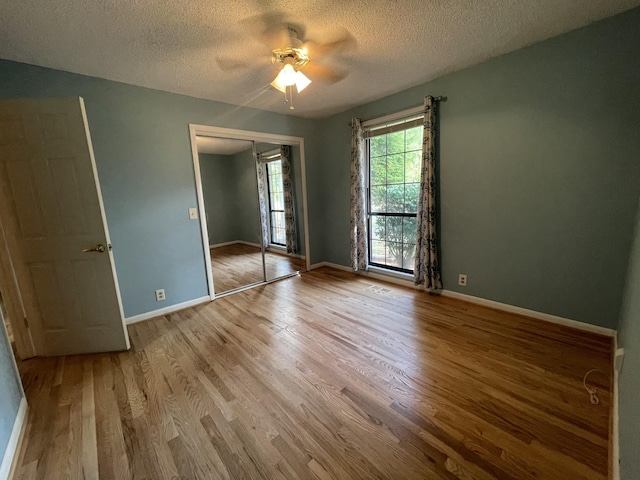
x=262, y=199
x=427, y=268
x=359, y=246
x=289, y=204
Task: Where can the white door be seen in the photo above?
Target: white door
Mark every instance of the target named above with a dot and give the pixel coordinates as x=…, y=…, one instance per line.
x=51, y=210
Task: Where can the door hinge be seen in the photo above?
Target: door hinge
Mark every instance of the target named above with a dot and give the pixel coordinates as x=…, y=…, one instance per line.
x=26, y=322
x=109, y=246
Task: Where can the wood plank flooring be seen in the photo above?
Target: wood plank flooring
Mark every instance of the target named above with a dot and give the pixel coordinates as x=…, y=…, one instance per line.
x=327, y=375
x=238, y=265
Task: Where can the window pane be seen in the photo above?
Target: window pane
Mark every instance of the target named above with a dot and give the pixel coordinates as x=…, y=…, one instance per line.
x=377, y=228
x=394, y=230
x=379, y=199
x=413, y=162
x=278, y=201
x=412, y=193
x=408, y=230
x=394, y=254
x=377, y=251
x=395, y=162
x=395, y=142
x=414, y=138
x=378, y=170
x=408, y=256
x=395, y=168
x=378, y=146
x=280, y=231
x=395, y=198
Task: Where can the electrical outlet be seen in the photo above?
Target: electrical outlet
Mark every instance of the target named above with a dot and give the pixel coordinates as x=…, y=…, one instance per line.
x=193, y=213
x=462, y=279
x=160, y=295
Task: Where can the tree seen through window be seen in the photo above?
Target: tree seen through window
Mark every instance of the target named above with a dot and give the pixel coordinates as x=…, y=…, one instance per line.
x=394, y=184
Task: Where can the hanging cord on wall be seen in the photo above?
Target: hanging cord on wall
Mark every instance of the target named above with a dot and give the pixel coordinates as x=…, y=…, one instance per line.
x=593, y=393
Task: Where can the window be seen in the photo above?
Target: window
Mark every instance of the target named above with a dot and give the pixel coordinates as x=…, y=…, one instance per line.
x=276, y=202
x=394, y=153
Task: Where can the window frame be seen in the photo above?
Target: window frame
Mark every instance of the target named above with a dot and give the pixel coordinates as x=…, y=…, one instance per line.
x=389, y=123
x=273, y=158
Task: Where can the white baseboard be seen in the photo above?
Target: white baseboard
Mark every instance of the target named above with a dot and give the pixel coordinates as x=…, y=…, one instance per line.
x=164, y=311
x=330, y=265
x=11, y=454
x=391, y=277
x=482, y=301
x=234, y=242
x=615, y=420
x=283, y=251
x=567, y=322
x=278, y=250
x=223, y=244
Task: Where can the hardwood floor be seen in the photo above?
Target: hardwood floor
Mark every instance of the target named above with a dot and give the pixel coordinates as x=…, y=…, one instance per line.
x=238, y=265
x=327, y=375
x=279, y=264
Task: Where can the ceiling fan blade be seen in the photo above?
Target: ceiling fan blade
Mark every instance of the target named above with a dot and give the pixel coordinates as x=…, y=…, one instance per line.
x=272, y=29
x=231, y=63
x=227, y=64
x=316, y=71
x=345, y=43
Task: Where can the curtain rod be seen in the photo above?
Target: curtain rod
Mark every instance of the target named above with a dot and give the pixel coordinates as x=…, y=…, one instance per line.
x=441, y=98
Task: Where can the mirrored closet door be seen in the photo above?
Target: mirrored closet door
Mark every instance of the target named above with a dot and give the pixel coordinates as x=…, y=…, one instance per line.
x=280, y=187
x=230, y=193
x=252, y=195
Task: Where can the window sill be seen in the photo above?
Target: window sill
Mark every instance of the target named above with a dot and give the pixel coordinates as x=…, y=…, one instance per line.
x=391, y=273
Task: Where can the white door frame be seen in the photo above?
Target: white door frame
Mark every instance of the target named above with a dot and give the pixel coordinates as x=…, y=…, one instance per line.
x=13, y=302
x=8, y=283
x=212, y=131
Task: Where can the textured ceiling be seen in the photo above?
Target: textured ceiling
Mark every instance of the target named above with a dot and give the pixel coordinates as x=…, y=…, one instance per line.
x=172, y=46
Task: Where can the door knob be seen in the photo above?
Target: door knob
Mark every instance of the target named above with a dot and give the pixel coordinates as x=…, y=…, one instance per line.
x=98, y=249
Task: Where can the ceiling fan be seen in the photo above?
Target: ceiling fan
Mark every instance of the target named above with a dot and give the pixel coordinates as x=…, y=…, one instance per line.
x=297, y=59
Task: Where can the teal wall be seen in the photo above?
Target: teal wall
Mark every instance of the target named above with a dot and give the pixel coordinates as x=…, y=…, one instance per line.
x=141, y=142
x=218, y=179
x=230, y=190
x=248, y=205
x=10, y=390
x=539, y=181
x=629, y=381
x=539, y=172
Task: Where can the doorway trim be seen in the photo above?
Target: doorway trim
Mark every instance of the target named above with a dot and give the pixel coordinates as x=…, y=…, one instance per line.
x=234, y=133
x=16, y=315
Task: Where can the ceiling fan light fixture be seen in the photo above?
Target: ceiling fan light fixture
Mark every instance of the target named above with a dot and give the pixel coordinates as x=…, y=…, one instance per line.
x=302, y=81
x=288, y=77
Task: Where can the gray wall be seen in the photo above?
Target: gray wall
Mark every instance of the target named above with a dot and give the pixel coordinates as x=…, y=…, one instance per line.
x=10, y=390
x=230, y=191
x=246, y=191
x=539, y=172
x=629, y=381
x=141, y=142
x=218, y=178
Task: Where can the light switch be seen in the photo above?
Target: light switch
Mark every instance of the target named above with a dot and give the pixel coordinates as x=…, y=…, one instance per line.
x=193, y=213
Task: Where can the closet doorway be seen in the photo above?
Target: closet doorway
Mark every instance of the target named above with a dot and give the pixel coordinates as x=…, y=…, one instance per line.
x=252, y=204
